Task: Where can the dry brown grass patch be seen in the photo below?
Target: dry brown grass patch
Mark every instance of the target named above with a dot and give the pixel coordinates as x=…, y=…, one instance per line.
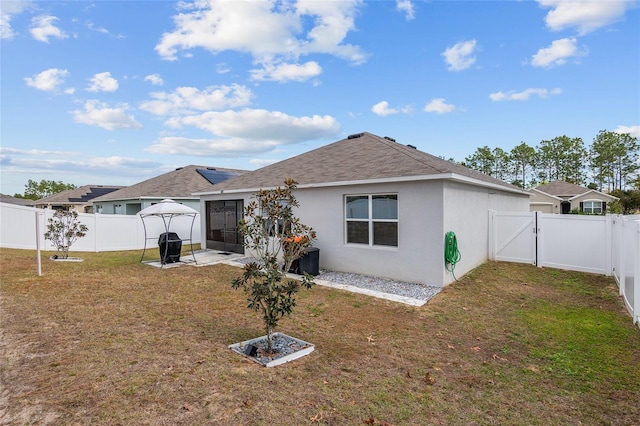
x=111, y=341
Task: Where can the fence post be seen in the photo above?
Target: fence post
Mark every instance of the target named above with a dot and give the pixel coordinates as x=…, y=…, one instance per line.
x=538, y=237
x=492, y=248
x=622, y=275
x=608, y=245
x=636, y=275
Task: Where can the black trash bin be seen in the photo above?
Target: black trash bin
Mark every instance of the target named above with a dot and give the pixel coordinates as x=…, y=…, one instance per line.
x=309, y=262
x=170, y=246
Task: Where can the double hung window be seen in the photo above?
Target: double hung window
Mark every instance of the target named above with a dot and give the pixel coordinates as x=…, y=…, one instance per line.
x=372, y=219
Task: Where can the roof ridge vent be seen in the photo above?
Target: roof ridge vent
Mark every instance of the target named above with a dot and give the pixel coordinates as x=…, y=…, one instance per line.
x=411, y=146
x=355, y=135
x=389, y=139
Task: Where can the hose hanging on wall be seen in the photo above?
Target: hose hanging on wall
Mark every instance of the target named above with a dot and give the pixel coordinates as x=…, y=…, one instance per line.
x=451, y=252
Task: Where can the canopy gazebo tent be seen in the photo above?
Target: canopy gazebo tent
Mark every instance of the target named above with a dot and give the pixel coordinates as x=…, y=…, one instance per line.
x=167, y=210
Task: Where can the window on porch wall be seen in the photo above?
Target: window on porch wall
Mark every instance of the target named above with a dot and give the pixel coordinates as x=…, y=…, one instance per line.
x=280, y=226
x=372, y=219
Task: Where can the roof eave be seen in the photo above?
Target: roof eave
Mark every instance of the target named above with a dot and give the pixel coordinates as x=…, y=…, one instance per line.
x=440, y=176
x=146, y=197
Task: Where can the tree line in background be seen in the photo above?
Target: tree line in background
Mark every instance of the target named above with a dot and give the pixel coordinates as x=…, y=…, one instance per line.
x=609, y=164
x=45, y=188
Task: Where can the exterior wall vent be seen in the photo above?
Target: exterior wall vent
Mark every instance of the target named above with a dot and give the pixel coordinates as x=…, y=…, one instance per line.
x=355, y=136
x=411, y=146
x=389, y=139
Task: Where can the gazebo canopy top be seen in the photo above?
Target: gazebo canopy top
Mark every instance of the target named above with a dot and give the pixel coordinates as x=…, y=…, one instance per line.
x=167, y=207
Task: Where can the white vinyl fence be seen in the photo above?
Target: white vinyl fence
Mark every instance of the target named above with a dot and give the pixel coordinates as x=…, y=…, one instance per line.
x=608, y=245
x=107, y=232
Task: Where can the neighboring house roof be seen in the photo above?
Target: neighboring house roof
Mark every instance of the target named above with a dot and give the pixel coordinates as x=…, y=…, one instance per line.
x=565, y=190
x=359, y=157
x=560, y=188
x=15, y=200
x=179, y=183
x=83, y=195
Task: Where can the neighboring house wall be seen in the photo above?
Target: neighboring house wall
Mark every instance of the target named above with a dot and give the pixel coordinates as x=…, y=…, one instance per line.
x=131, y=207
x=600, y=200
x=544, y=202
x=564, y=197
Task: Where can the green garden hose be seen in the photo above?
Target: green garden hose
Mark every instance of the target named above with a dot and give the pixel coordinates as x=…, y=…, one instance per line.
x=451, y=252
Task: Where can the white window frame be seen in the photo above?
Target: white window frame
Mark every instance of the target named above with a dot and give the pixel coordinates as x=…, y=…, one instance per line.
x=370, y=220
x=592, y=208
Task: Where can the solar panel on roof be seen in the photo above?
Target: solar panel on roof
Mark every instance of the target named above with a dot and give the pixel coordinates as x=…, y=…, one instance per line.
x=216, y=176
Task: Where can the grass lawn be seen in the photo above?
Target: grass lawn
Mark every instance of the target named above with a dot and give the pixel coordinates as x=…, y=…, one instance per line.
x=115, y=342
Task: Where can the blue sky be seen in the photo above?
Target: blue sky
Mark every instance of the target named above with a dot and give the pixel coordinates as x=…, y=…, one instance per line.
x=115, y=92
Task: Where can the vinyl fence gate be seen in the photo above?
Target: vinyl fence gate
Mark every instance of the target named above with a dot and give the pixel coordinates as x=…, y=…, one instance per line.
x=607, y=245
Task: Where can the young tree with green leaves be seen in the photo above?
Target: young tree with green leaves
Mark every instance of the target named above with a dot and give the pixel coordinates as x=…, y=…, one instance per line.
x=276, y=237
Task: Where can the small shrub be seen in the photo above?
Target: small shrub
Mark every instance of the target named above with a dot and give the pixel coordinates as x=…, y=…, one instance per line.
x=63, y=229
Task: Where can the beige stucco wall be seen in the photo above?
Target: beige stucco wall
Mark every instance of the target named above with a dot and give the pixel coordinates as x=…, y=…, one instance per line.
x=552, y=203
x=590, y=196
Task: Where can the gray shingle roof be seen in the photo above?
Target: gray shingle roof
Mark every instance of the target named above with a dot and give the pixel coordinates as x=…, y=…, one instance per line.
x=560, y=188
x=81, y=195
x=365, y=157
x=18, y=201
x=181, y=182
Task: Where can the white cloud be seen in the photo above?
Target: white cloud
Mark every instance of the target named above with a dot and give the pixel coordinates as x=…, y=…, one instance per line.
x=524, y=95
x=223, y=68
x=586, y=16
x=8, y=9
x=287, y=72
x=439, y=106
x=99, y=114
x=460, y=56
x=42, y=28
x=32, y=152
x=634, y=131
x=103, y=82
x=249, y=131
x=189, y=99
x=406, y=6
x=277, y=32
x=102, y=30
x=382, y=109
x=557, y=53
x=47, y=80
x=154, y=79
x=261, y=162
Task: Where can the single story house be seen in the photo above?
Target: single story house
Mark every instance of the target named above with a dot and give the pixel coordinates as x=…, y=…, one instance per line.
x=79, y=199
x=178, y=185
x=563, y=197
x=379, y=208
